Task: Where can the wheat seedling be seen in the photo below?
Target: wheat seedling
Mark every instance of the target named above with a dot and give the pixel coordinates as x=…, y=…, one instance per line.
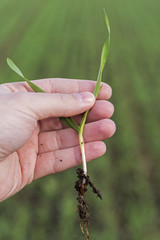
x=84, y=181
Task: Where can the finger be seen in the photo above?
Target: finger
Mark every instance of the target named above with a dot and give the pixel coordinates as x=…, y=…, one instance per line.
x=61, y=85
x=66, y=138
x=60, y=160
x=44, y=105
x=101, y=110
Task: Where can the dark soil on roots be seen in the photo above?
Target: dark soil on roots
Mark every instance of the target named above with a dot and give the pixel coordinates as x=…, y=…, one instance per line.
x=81, y=187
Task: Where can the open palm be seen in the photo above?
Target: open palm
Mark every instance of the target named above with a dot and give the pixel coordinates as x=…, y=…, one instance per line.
x=34, y=142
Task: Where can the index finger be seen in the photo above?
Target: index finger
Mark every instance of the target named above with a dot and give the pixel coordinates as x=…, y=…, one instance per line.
x=63, y=85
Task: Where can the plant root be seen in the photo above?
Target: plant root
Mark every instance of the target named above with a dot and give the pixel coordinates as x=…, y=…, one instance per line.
x=82, y=208
x=84, y=230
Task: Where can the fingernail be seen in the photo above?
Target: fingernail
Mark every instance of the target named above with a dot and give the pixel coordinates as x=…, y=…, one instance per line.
x=86, y=97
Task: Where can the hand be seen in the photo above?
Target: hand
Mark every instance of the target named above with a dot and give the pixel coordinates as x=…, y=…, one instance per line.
x=35, y=143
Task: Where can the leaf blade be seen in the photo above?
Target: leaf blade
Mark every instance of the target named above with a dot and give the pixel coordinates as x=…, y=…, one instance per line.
x=14, y=67
x=104, y=56
x=70, y=123
x=34, y=86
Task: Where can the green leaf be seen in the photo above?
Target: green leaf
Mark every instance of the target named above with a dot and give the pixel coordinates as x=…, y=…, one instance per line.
x=70, y=123
x=14, y=67
x=106, y=46
x=34, y=86
x=104, y=56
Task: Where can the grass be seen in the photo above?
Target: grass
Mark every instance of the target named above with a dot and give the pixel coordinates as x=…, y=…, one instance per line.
x=64, y=40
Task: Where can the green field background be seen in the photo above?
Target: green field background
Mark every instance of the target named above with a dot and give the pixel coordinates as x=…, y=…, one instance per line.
x=55, y=38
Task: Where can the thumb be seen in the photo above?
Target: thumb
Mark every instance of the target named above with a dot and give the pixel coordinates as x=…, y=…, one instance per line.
x=44, y=105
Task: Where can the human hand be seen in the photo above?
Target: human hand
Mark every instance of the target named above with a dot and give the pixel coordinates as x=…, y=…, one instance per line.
x=35, y=143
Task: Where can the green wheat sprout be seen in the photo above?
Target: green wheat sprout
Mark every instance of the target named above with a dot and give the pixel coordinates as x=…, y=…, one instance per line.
x=68, y=120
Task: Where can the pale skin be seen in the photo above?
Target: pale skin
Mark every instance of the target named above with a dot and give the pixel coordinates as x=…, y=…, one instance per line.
x=34, y=142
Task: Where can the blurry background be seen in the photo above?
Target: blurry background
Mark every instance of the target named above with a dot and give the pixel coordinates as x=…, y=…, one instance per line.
x=55, y=38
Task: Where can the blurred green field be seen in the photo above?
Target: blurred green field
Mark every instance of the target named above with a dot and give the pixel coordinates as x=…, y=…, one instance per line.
x=64, y=39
